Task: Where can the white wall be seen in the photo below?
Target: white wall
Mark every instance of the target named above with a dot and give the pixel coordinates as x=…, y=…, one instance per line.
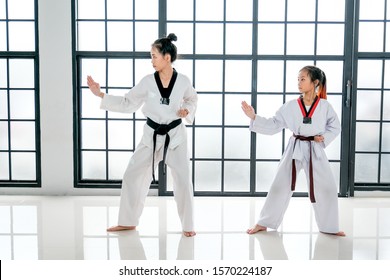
x=56, y=103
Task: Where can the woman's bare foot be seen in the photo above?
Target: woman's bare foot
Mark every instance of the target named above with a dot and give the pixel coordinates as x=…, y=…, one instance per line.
x=189, y=233
x=120, y=228
x=340, y=233
x=255, y=229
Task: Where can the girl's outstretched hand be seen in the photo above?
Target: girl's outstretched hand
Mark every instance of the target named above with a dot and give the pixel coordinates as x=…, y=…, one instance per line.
x=248, y=110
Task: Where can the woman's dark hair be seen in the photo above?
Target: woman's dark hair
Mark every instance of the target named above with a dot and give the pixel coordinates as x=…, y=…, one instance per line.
x=316, y=73
x=165, y=46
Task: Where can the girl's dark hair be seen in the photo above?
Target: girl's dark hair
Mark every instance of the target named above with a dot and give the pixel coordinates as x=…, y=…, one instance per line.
x=165, y=46
x=316, y=73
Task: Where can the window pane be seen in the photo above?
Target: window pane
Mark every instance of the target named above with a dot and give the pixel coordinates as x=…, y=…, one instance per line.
x=301, y=10
x=4, y=136
x=117, y=164
x=292, y=71
x=180, y=9
x=120, y=72
x=21, y=36
x=386, y=105
x=298, y=33
x=207, y=33
x=237, y=143
x=93, y=134
x=90, y=105
x=369, y=74
x=238, y=76
x=2, y=11
x=265, y=174
x=237, y=176
x=208, y=75
x=271, y=10
x=146, y=33
x=25, y=247
x=209, y=110
x=91, y=36
x=208, y=142
x=184, y=33
x=271, y=38
x=388, y=36
x=372, y=9
x=146, y=9
x=269, y=146
x=209, y=10
x=94, y=165
x=24, y=219
x=119, y=9
x=367, y=137
x=85, y=12
x=120, y=36
x=366, y=168
x=270, y=75
x=327, y=46
x=370, y=41
x=387, y=74
x=120, y=135
x=23, y=166
x=4, y=170
x=267, y=105
x=334, y=75
x=233, y=112
x=331, y=10
x=238, y=38
x=368, y=105
x=3, y=71
x=21, y=9
x=3, y=37
x=3, y=105
x=385, y=168
x=239, y=10
x=207, y=176
x=22, y=135
x=21, y=73
x=22, y=104
x=334, y=149
x=95, y=68
x=386, y=137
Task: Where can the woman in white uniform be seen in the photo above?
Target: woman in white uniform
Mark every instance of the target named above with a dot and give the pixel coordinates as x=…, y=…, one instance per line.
x=166, y=97
x=314, y=124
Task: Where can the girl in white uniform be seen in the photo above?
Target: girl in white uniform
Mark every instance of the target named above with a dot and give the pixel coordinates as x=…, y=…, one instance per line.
x=166, y=96
x=314, y=124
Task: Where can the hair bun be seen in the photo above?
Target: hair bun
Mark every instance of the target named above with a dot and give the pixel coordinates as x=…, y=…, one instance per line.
x=172, y=37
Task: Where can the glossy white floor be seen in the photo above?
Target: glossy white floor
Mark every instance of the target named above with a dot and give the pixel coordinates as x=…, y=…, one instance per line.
x=74, y=228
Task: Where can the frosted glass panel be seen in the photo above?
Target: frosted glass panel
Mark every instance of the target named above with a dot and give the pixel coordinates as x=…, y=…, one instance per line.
x=208, y=75
x=383, y=249
x=91, y=36
x=367, y=137
x=336, y=102
x=5, y=221
x=368, y=105
x=95, y=68
x=120, y=36
x=146, y=33
x=93, y=134
x=366, y=168
x=180, y=9
x=298, y=33
x=301, y=10
x=4, y=136
x=24, y=219
x=120, y=135
x=292, y=72
x=4, y=163
x=120, y=72
x=385, y=169
x=239, y=10
x=22, y=135
x=238, y=76
x=238, y=38
x=21, y=73
x=268, y=146
x=23, y=166
x=119, y=9
x=270, y=76
x=325, y=46
x=2, y=11
x=209, y=110
x=22, y=104
x=385, y=137
x=386, y=105
x=237, y=143
x=3, y=105
x=21, y=36
x=208, y=176
x=236, y=176
x=3, y=70
x=208, y=142
x=372, y=9
x=91, y=105
x=331, y=10
x=94, y=165
x=3, y=40
x=25, y=248
x=271, y=38
x=233, y=112
x=370, y=41
x=334, y=75
x=387, y=72
x=267, y=105
x=117, y=164
x=271, y=10
x=209, y=32
x=369, y=74
x=184, y=33
x=333, y=150
x=6, y=250
x=85, y=11
x=146, y=9
x=209, y=10
x=15, y=10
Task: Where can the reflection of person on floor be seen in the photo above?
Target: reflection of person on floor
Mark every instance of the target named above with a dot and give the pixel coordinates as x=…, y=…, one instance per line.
x=314, y=124
x=166, y=96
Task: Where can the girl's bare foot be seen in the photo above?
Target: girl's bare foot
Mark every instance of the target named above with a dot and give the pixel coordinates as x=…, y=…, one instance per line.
x=255, y=229
x=340, y=233
x=120, y=228
x=189, y=233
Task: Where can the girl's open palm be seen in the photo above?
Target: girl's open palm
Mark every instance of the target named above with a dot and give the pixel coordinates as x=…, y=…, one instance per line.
x=93, y=86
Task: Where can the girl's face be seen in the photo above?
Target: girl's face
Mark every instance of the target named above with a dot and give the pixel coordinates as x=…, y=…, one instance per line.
x=159, y=61
x=305, y=85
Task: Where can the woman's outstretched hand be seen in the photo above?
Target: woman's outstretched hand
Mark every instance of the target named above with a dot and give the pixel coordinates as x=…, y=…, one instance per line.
x=248, y=110
x=94, y=87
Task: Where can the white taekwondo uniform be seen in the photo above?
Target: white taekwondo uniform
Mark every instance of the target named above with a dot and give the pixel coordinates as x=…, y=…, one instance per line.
x=324, y=122
x=138, y=175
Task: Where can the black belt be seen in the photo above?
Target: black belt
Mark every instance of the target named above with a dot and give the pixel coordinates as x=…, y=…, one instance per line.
x=294, y=171
x=161, y=129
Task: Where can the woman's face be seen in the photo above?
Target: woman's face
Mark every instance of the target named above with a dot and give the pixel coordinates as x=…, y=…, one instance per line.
x=159, y=61
x=305, y=84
